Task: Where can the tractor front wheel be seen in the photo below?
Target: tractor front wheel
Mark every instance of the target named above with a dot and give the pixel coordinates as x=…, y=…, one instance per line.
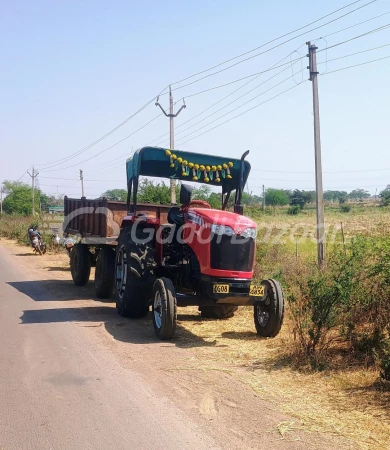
x=268, y=314
x=164, y=308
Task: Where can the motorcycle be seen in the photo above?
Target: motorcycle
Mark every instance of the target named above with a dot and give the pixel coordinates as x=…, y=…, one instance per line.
x=37, y=244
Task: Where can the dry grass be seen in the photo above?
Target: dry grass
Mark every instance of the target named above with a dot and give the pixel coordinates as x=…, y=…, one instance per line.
x=346, y=401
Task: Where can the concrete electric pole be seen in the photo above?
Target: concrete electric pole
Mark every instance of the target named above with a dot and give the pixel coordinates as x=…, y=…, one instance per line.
x=263, y=198
x=33, y=176
x=82, y=183
x=171, y=116
x=317, y=149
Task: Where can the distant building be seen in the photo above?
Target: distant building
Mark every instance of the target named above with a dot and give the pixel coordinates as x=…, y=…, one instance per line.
x=55, y=209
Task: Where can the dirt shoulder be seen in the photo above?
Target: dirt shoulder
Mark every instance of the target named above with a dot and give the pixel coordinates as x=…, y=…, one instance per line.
x=219, y=372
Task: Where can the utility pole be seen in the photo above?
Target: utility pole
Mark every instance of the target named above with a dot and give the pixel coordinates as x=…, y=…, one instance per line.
x=33, y=176
x=317, y=149
x=263, y=198
x=82, y=183
x=171, y=116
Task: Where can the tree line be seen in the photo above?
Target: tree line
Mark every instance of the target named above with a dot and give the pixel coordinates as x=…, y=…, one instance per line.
x=18, y=196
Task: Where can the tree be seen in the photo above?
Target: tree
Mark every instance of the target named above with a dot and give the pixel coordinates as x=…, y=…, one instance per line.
x=276, y=197
x=335, y=196
x=300, y=198
x=358, y=194
x=118, y=195
x=385, y=196
x=159, y=193
x=18, y=198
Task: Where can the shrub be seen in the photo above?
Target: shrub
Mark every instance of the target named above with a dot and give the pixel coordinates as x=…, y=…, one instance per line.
x=346, y=299
x=294, y=210
x=345, y=208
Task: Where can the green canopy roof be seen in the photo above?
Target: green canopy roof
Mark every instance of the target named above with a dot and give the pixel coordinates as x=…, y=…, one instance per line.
x=186, y=166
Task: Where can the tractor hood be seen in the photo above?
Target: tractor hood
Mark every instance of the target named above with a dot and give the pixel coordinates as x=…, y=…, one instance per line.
x=217, y=217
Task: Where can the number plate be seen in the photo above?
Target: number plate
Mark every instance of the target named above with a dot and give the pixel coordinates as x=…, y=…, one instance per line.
x=256, y=291
x=220, y=288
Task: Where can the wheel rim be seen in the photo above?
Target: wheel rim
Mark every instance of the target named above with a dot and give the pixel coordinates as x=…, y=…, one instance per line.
x=157, y=310
x=262, y=315
x=121, y=272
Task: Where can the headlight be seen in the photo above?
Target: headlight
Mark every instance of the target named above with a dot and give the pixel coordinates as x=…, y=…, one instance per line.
x=249, y=233
x=222, y=229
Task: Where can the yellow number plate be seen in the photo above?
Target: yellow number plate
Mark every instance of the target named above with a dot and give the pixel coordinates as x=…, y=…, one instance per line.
x=256, y=291
x=220, y=288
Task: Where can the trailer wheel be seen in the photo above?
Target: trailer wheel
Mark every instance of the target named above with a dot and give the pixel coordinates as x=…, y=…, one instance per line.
x=268, y=314
x=134, y=275
x=164, y=308
x=217, y=311
x=80, y=264
x=105, y=272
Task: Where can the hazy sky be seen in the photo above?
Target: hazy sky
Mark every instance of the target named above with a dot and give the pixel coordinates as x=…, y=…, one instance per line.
x=72, y=71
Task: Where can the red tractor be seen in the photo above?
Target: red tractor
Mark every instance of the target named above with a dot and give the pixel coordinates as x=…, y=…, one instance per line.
x=193, y=255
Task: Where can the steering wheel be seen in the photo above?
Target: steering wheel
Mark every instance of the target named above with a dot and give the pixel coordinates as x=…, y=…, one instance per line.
x=199, y=203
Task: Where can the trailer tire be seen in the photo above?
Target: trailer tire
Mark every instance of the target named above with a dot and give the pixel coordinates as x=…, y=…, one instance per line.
x=217, y=311
x=80, y=264
x=164, y=308
x=269, y=313
x=105, y=272
x=134, y=275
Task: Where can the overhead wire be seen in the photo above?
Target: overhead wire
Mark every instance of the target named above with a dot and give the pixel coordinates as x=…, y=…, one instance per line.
x=356, y=65
x=244, y=112
x=103, y=151
x=273, y=40
x=60, y=161
x=268, y=50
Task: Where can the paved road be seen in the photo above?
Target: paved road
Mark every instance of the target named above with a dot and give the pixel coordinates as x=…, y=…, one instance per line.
x=57, y=391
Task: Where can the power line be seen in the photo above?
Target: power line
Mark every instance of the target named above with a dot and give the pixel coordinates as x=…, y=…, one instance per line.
x=240, y=106
x=238, y=98
x=60, y=161
x=353, y=26
x=271, y=41
x=244, y=112
x=356, y=65
x=334, y=59
x=103, y=151
x=375, y=30
x=265, y=51
x=255, y=76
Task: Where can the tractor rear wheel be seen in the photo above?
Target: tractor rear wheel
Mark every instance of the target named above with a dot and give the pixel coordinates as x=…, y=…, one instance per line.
x=80, y=264
x=105, y=272
x=217, y=311
x=164, y=308
x=134, y=274
x=268, y=314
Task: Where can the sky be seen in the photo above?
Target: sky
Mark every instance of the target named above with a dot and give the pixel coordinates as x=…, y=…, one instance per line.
x=72, y=71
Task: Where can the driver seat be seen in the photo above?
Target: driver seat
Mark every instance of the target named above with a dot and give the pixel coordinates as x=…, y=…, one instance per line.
x=176, y=214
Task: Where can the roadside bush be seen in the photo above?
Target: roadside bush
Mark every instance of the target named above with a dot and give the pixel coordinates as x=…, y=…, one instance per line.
x=347, y=300
x=345, y=208
x=294, y=210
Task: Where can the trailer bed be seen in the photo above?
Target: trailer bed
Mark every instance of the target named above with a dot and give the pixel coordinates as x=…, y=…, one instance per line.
x=98, y=221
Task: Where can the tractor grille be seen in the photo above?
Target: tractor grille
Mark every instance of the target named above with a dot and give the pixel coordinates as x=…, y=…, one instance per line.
x=232, y=253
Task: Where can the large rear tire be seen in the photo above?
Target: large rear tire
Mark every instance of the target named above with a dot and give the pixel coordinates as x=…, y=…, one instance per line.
x=217, y=311
x=134, y=274
x=80, y=264
x=105, y=272
x=164, y=308
x=269, y=313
